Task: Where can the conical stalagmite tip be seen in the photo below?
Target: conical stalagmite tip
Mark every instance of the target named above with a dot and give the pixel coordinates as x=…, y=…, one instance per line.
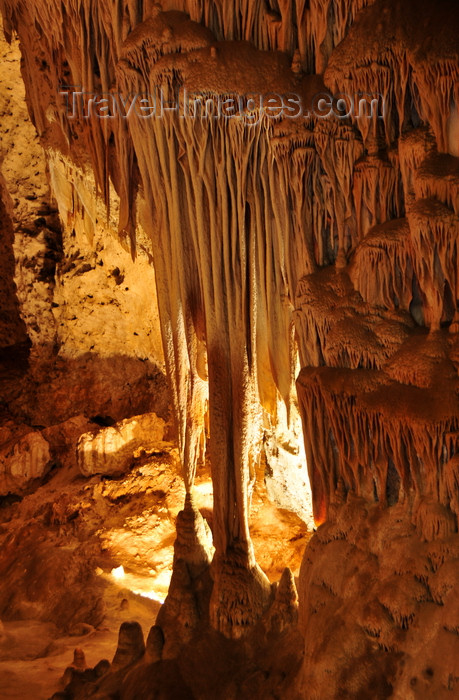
x=287, y=576
x=155, y=643
x=284, y=609
x=131, y=645
x=287, y=586
x=79, y=659
x=194, y=542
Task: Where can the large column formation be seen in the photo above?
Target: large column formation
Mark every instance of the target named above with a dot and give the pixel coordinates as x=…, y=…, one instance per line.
x=218, y=201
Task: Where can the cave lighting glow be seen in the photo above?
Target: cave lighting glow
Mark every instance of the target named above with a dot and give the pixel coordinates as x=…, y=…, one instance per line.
x=118, y=573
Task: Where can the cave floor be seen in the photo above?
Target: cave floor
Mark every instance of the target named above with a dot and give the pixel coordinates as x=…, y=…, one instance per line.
x=61, y=552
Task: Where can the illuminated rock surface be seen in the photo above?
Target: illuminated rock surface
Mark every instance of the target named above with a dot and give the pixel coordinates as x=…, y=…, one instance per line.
x=273, y=268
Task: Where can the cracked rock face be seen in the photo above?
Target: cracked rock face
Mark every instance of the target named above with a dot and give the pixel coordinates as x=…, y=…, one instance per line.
x=292, y=267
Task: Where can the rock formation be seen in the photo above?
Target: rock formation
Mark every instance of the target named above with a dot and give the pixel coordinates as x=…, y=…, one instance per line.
x=303, y=262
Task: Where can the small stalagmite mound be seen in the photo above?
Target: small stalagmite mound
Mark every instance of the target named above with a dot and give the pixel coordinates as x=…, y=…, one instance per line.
x=155, y=644
x=131, y=645
x=284, y=610
x=79, y=660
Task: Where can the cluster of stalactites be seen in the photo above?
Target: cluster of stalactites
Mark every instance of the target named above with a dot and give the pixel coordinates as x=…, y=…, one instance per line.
x=362, y=326
x=416, y=83
x=356, y=439
x=313, y=29
x=380, y=411
x=79, y=55
x=251, y=206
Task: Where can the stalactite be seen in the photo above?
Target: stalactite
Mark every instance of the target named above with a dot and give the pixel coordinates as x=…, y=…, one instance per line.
x=377, y=193
x=437, y=90
x=330, y=22
x=395, y=67
x=414, y=146
x=434, y=230
x=339, y=149
x=321, y=300
x=434, y=521
x=438, y=177
x=367, y=432
x=86, y=39
x=402, y=603
x=381, y=269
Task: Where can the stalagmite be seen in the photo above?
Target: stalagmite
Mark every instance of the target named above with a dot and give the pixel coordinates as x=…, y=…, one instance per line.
x=131, y=645
x=79, y=660
x=382, y=268
x=154, y=644
x=284, y=610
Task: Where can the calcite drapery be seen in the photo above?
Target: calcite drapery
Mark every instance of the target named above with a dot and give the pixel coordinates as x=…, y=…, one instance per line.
x=216, y=205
